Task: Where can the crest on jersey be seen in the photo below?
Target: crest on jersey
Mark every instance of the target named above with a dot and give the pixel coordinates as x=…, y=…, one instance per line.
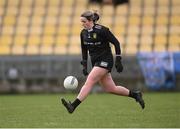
x=94, y=35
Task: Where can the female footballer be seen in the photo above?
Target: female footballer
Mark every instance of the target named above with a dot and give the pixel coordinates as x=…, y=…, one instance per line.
x=95, y=40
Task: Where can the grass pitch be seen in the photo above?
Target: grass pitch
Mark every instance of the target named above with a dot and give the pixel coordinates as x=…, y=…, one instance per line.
x=98, y=110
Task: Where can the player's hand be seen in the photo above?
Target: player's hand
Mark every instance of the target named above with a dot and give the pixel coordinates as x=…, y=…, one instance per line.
x=118, y=64
x=84, y=64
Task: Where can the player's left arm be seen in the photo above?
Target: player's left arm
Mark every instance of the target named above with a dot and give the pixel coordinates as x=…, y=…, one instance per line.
x=111, y=38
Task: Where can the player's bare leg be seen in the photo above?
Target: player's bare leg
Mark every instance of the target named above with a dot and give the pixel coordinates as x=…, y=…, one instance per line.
x=109, y=86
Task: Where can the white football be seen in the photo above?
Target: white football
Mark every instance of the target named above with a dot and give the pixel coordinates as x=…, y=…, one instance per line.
x=70, y=82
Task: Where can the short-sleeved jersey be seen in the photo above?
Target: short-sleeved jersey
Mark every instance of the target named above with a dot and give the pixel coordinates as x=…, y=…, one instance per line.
x=96, y=41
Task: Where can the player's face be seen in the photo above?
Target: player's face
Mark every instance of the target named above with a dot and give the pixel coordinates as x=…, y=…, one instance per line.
x=86, y=23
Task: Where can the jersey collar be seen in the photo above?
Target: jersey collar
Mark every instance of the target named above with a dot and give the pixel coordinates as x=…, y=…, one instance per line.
x=89, y=30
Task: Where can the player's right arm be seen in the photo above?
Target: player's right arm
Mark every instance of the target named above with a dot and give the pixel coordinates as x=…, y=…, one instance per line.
x=84, y=52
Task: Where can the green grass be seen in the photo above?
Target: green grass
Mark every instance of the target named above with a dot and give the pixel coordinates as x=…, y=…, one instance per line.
x=99, y=110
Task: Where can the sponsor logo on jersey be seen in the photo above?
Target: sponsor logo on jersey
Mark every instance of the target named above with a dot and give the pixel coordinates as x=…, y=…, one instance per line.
x=92, y=43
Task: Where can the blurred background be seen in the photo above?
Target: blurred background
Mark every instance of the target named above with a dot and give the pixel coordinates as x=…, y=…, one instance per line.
x=40, y=43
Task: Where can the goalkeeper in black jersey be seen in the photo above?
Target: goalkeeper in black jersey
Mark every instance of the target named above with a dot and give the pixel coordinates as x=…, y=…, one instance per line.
x=95, y=41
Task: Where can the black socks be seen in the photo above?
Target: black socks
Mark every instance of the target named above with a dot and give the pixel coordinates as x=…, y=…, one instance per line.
x=76, y=103
x=132, y=94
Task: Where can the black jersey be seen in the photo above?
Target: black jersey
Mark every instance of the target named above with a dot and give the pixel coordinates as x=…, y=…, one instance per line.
x=96, y=41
